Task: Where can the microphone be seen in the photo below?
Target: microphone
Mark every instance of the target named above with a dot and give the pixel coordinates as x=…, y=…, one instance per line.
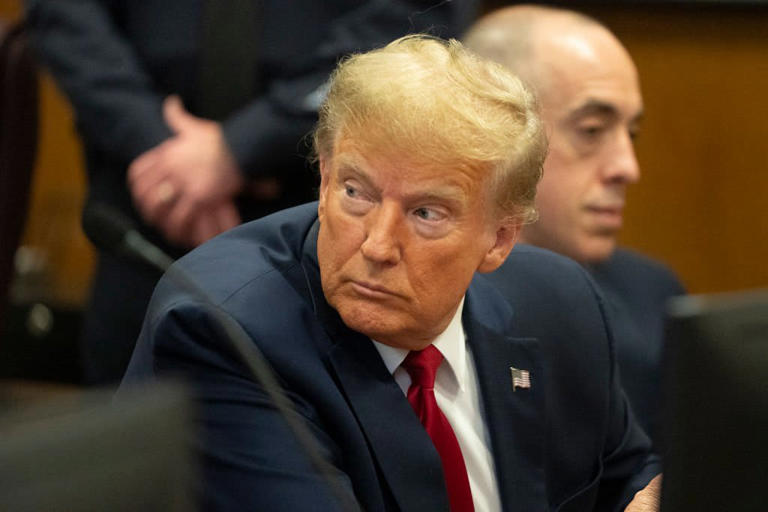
x=112, y=231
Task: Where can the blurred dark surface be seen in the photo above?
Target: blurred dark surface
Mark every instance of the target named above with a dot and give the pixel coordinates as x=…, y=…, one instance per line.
x=716, y=419
x=78, y=452
x=40, y=342
x=18, y=143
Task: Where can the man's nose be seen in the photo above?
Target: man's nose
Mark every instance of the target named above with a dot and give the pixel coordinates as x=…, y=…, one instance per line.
x=621, y=165
x=381, y=243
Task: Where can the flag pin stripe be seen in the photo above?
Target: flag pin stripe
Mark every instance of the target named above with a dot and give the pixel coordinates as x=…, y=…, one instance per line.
x=520, y=378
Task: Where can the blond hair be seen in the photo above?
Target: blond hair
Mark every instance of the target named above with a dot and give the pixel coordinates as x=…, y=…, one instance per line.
x=441, y=105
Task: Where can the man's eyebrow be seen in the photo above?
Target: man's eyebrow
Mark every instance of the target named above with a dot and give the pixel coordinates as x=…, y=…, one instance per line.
x=442, y=192
x=351, y=168
x=594, y=107
x=439, y=195
x=347, y=162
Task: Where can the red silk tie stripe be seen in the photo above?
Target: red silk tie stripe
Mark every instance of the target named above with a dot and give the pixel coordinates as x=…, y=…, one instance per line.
x=422, y=366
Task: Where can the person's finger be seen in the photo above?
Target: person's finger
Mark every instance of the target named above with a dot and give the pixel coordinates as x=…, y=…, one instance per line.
x=176, y=115
x=226, y=216
x=157, y=202
x=205, y=227
x=647, y=499
x=178, y=220
x=147, y=182
x=144, y=163
x=153, y=191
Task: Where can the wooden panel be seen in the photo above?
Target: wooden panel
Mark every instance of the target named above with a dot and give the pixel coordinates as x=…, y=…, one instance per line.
x=53, y=228
x=59, y=258
x=10, y=9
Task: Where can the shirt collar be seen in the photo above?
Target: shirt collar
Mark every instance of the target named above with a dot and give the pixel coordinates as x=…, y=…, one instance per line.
x=450, y=343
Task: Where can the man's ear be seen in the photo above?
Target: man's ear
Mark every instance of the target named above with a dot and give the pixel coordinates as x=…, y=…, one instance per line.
x=506, y=238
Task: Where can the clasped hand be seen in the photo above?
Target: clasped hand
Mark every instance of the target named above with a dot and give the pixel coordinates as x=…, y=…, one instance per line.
x=185, y=187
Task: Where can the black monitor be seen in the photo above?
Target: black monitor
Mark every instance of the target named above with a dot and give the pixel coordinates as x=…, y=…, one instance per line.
x=716, y=411
x=92, y=455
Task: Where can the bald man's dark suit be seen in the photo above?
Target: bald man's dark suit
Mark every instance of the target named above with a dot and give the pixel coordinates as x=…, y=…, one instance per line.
x=568, y=443
x=636, y=290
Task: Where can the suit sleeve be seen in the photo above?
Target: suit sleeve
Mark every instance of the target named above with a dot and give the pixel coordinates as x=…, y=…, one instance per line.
x=116, y=108
x=674, y=286
x=249, y=458
x=628, y=463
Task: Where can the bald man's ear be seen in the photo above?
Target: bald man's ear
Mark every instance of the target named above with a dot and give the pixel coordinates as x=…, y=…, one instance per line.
x=506, y=238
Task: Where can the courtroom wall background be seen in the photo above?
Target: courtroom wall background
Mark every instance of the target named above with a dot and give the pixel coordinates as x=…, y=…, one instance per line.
x=700, y=205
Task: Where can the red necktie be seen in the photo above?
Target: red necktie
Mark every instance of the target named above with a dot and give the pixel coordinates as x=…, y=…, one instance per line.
x=422, y=366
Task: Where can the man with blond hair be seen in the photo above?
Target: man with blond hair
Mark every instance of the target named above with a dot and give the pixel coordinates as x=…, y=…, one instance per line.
x=591, y=105
x=422, y=385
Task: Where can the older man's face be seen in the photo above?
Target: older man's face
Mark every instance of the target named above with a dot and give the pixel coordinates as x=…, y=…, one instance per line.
x=591, y=105
x=399, y=243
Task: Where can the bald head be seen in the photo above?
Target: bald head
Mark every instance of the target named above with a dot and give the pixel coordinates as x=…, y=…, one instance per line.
x=591, y=105
x=537, y=42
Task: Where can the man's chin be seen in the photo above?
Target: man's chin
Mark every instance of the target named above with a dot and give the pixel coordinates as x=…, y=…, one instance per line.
x=596, y=249
x=371, y=320
x=385, y=325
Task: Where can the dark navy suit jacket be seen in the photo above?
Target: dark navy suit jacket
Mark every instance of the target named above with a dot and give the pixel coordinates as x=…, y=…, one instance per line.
x=636, y=290
x=568, y=443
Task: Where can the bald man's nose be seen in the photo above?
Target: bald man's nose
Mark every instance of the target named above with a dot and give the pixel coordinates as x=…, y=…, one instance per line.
x=621, y=162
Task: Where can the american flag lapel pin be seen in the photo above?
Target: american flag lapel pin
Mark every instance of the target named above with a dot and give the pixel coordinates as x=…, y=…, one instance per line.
x=520, y=378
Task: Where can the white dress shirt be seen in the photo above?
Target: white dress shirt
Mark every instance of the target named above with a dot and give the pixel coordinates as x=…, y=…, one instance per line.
x=458, y=396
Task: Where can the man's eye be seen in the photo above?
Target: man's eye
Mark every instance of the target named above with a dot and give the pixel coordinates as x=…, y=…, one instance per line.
x=354, y=198
x=590, y=131
x=428, y=214
x=353, y=191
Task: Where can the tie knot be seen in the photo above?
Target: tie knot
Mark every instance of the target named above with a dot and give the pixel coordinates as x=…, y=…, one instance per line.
x=422, y=366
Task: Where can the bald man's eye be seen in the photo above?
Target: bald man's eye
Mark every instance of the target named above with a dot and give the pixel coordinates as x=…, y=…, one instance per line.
x=591, y=131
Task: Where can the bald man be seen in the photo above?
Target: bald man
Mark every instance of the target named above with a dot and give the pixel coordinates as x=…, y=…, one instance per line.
x=591, y=105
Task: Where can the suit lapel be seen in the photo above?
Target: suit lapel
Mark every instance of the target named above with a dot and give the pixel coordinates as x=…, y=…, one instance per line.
x=515, y=417
x=406, y=457
x=402, y=448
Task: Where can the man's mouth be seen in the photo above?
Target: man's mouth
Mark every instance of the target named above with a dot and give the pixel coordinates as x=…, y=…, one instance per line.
x=372, y=290
x=608, y=216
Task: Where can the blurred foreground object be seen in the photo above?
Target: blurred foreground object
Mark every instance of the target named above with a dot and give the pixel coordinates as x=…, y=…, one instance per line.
x=716, y=416
x=86, y=453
